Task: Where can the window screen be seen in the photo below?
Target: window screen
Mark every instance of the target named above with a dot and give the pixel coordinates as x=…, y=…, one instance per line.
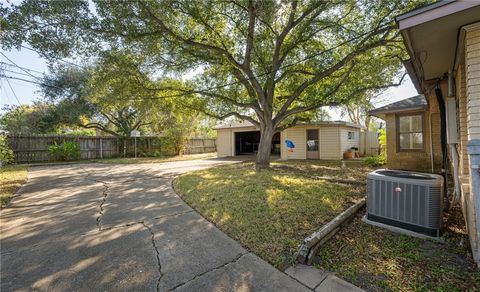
x=410, y=132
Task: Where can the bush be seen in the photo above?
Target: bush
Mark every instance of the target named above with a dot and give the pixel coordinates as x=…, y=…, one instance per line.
x=6, y=154
x=174, y=141
x=378, y=160
x=66, y=151
x=381, y=159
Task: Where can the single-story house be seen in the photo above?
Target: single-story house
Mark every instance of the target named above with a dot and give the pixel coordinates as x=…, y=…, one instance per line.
x=439, y=130
x=320, y=140
x=413, y=134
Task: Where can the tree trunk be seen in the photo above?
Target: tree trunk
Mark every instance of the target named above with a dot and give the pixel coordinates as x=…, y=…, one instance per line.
x=264, y=148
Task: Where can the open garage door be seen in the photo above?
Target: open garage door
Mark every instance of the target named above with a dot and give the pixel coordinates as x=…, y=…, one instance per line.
x=246, y=143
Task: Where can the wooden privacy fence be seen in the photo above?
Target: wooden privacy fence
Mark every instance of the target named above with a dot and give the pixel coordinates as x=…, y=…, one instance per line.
x=35, y=148
x=369, y=143
x=195, y=146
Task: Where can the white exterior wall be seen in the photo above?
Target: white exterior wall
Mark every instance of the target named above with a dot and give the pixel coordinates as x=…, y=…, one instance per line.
x=332, y=141
x=472, y=198
x=224, y=142
x=472, y=60
x=346, y=144
x=329, y=144
x=298, y=135
x=283, y=148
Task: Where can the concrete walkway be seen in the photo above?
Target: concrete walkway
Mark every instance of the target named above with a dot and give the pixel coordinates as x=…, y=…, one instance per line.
x=95, y=227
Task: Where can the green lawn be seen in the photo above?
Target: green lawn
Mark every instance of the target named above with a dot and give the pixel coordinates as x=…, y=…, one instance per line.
x=271, y=212
x=11, y=178
x=376, y=259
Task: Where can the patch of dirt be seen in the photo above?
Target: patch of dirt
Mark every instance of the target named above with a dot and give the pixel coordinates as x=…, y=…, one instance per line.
x=376, y=259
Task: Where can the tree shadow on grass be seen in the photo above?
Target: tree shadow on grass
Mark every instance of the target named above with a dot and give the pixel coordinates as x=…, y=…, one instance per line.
x=269, y=212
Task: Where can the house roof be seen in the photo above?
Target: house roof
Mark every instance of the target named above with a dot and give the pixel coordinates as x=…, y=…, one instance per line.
x=418, y=102
x=247, y=124
x=241, y=124
x=333, y=123
x=431, y=35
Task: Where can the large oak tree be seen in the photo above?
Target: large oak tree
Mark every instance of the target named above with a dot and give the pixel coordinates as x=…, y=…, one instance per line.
x=268, y=62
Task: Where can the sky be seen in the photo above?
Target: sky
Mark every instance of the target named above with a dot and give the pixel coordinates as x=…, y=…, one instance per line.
x=22, y=92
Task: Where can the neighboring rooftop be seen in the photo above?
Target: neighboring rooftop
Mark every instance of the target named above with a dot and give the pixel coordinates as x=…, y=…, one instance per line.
x=418, y=102
x=245, y=124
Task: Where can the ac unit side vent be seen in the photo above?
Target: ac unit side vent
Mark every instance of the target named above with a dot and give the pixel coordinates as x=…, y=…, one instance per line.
x=406, y=200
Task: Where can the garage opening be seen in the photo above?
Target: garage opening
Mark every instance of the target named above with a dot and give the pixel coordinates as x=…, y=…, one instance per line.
x=246, y=143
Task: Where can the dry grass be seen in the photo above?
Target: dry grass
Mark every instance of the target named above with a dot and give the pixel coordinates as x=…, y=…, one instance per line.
x=11, y=178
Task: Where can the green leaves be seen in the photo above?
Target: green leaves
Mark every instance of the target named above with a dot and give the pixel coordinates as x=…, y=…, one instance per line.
x=6, y=154
x=269, y=62
x=68, y=150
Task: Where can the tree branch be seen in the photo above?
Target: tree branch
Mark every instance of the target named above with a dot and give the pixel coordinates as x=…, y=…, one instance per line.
x=250, y=35
x=284, y=113
x=301, y=109
x=163, y=27
x=99, y=127
x=322, y=74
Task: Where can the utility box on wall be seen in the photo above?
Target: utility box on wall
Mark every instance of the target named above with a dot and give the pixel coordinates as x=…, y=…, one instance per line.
x=452, y=125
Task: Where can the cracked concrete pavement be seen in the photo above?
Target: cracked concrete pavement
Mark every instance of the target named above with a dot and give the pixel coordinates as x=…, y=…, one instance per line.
x=121, y=227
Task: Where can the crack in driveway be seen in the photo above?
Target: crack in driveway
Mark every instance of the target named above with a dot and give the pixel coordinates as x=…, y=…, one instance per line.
x=157, y=254
x=104, y=199
x=238, y=257
x=144, y=224
x=109, y=181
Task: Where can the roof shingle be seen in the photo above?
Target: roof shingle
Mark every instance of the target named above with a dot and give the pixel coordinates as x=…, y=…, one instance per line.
x=418, y=102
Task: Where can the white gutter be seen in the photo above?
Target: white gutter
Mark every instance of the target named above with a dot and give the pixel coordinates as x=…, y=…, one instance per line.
x=432, y=12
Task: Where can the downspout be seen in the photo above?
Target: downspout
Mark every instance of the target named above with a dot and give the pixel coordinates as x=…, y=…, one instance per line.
x=443, y=139
x=431, y=140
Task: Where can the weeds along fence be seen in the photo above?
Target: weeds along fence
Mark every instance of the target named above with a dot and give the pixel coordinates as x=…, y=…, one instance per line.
x=34, y=148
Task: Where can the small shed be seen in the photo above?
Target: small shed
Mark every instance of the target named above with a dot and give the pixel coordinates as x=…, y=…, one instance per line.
x=319, y=140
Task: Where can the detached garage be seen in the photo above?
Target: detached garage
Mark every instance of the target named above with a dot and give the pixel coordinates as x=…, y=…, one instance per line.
x=322, y=140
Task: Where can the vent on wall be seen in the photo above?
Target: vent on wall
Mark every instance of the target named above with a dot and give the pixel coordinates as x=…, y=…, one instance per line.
x=408, y=200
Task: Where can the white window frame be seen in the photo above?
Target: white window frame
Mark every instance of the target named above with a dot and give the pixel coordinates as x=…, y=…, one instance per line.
x=351, y=135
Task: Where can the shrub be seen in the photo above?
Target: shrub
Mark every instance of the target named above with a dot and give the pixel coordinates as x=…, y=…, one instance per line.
x=6, y=154
x=377, y=160
x=174, y=141
x=66, y=151
x=381, y=159
x=382, y=141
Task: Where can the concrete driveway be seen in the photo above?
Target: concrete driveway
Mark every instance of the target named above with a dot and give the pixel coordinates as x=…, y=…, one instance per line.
x=121, y=227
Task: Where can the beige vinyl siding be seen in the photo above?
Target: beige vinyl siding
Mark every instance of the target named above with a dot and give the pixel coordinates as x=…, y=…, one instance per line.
x=472, y=61
x=462, y=116
x=224, y=143
x=283, y=148
x=346, y=144
x=298, y=135
x=330, y=143
x=472, y=68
